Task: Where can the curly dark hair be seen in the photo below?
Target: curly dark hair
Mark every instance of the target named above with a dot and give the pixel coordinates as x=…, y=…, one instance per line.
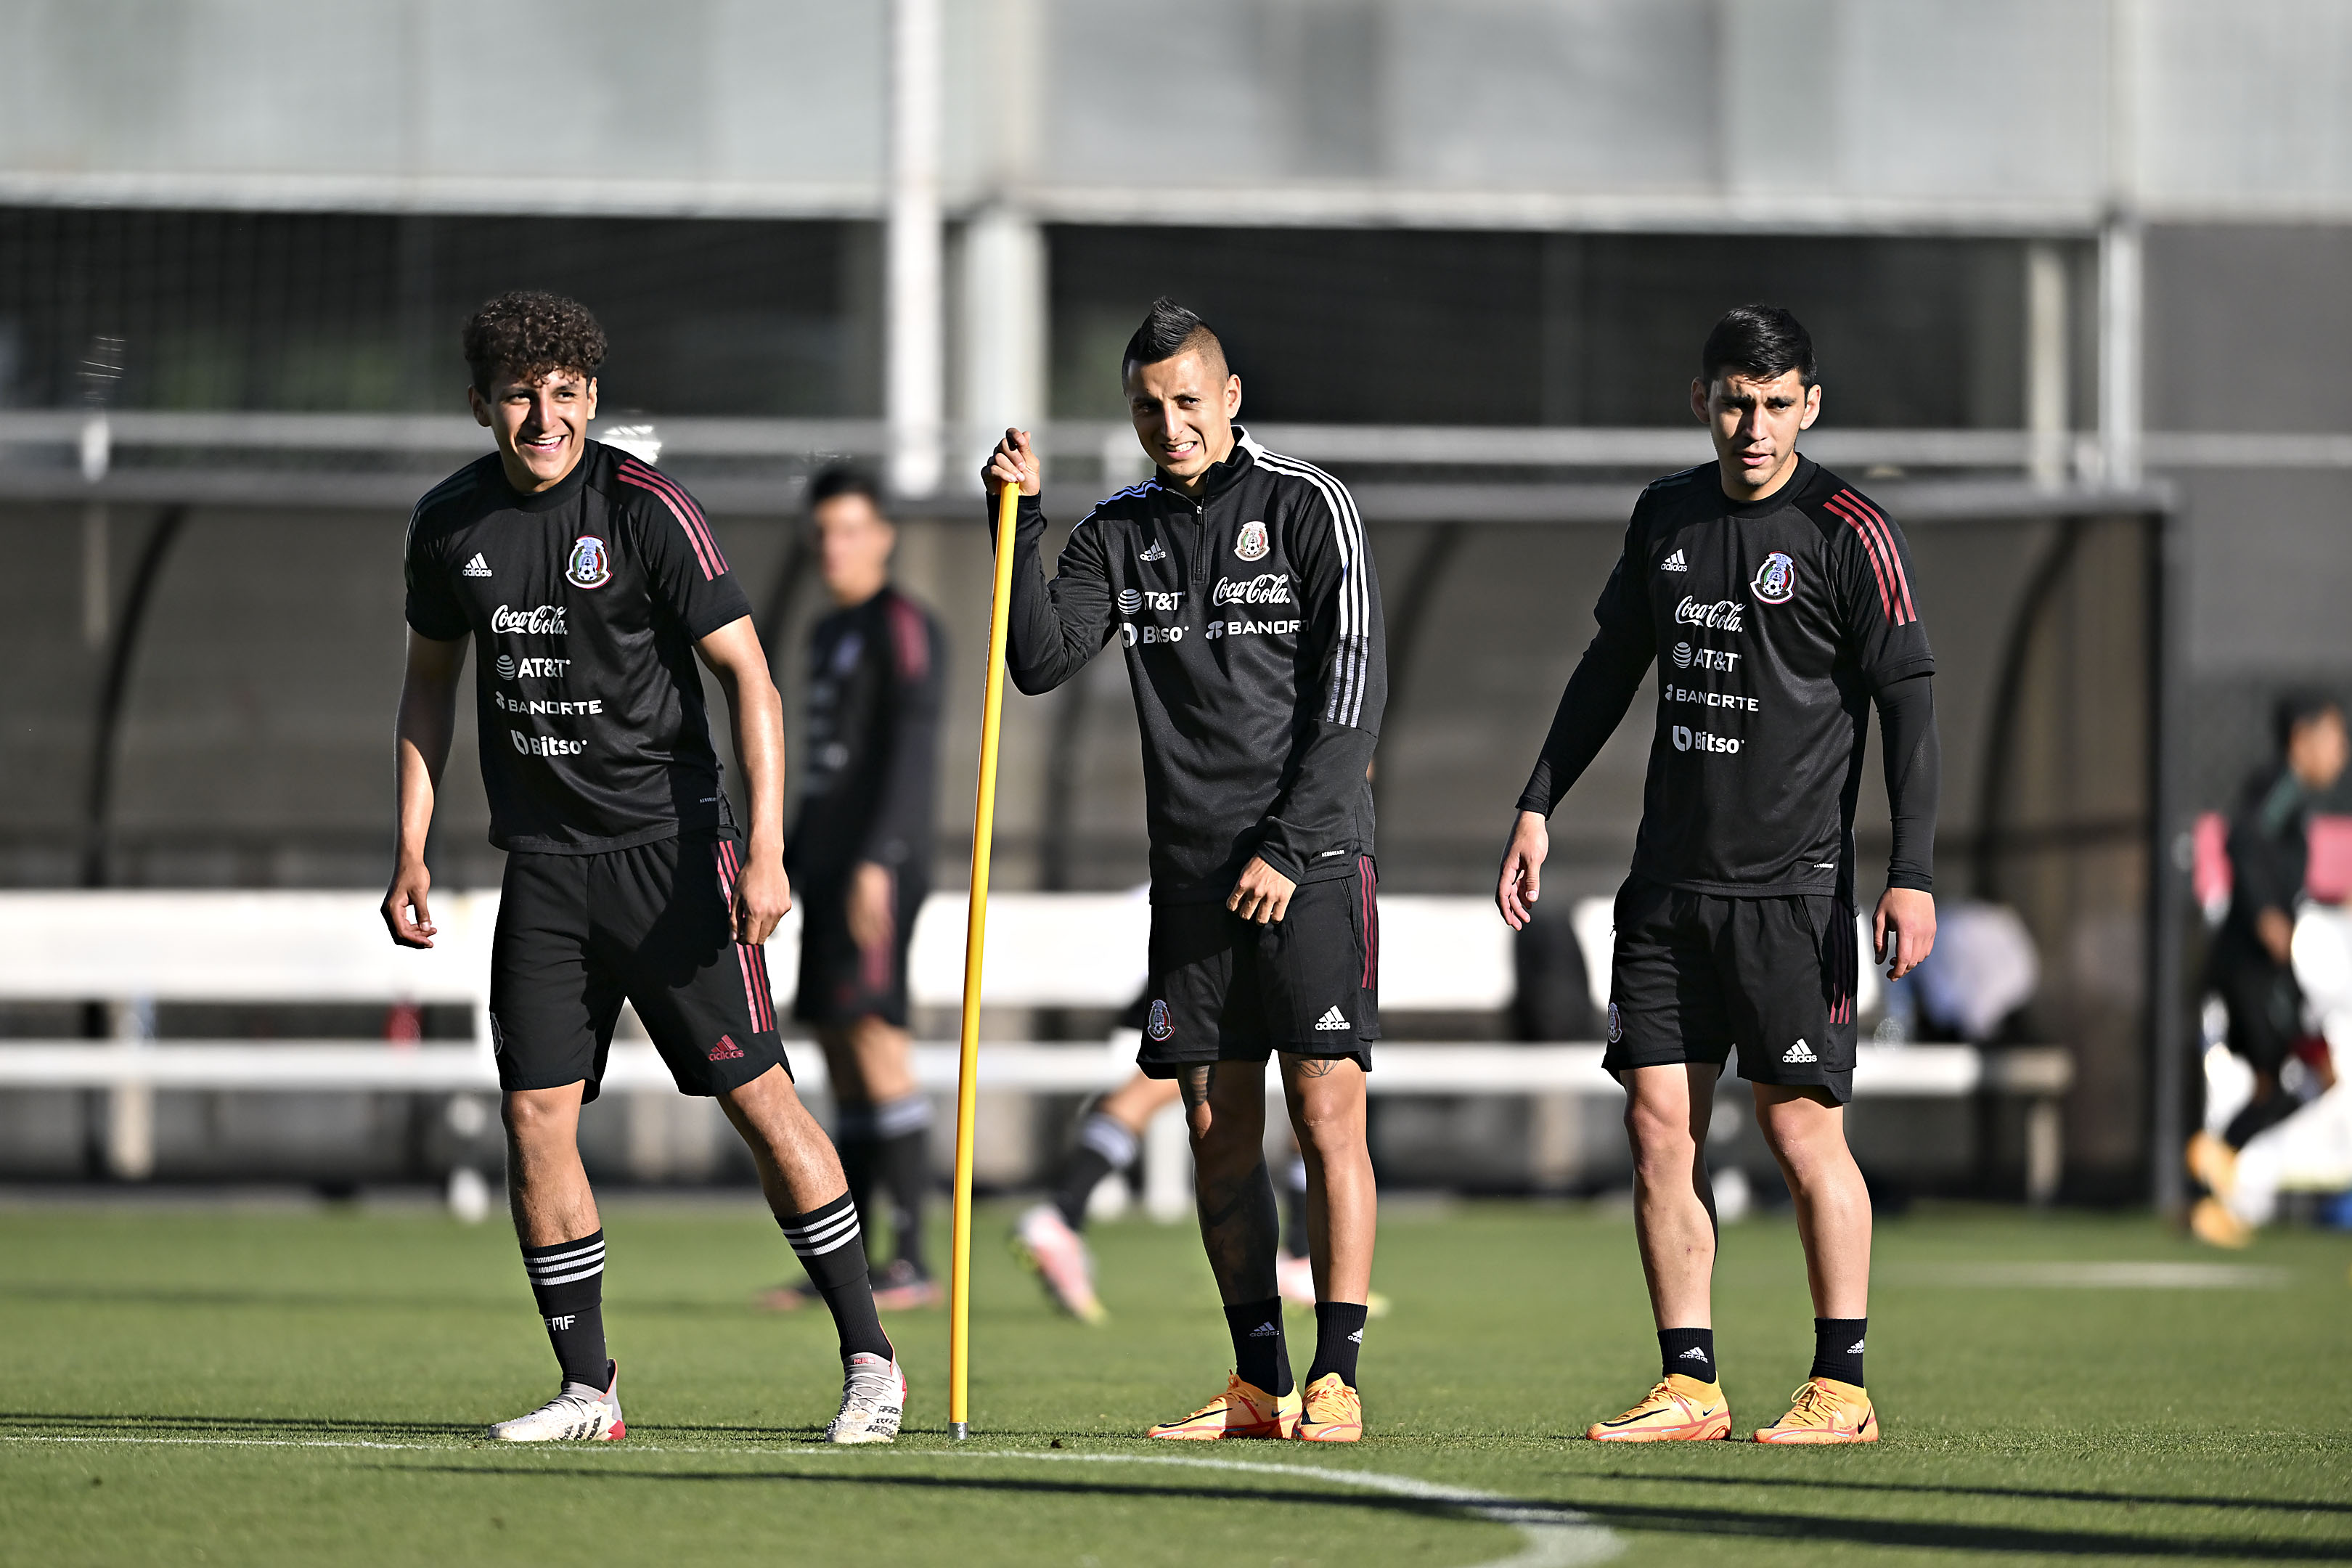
x=528, y=334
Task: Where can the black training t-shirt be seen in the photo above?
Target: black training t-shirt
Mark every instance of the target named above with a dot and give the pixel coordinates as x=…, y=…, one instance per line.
x=870, y=766
x=584, y=603
x=1772, y=623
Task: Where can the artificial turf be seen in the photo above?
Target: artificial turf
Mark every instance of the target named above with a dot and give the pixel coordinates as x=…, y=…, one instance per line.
x=304, y=1387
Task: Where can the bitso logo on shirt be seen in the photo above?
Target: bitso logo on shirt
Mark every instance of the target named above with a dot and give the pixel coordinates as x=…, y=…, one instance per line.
x=476, y=567
x=1776, y=580
x=1160, y=1028
x=1251, y=545
x=591, y=565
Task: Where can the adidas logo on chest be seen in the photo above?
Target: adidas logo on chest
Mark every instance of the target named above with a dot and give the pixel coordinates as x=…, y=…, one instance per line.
x=1674, y=562
x=476, y=567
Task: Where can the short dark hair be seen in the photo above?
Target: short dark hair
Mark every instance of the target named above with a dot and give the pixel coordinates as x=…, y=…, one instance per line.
x=1763, y=341
x=528, y=334
x=2293, y=709
x=837, y=479
x=1169, y=328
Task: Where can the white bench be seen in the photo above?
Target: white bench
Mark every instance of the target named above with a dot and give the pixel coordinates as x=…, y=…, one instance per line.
x=130, y=949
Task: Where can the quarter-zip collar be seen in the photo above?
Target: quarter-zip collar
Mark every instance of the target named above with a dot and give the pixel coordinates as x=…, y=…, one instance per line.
x=1221, y=476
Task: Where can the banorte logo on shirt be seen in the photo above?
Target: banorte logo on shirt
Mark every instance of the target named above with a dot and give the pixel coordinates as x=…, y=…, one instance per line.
x=545, y=621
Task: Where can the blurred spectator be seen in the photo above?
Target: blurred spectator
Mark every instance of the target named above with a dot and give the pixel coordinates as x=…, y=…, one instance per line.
x=1983, y=968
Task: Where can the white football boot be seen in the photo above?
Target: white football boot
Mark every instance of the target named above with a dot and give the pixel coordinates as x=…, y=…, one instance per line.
x=577, y=1415
x=873, y=1401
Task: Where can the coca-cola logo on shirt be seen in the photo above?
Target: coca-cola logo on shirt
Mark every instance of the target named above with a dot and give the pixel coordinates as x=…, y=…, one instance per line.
x=1723, y=615
x=1265, y=588
x=546, y=621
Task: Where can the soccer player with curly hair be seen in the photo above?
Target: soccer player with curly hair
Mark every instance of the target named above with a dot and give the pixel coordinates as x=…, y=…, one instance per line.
x=590, y=584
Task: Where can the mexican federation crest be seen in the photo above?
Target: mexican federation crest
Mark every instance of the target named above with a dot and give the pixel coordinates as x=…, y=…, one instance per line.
x=1160, y=1028
x=1251, y=545
x=1776, y=580
x=591, y=565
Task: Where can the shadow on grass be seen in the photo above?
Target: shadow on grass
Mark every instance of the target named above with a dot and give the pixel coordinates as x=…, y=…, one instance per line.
x=743, y=1306
x=2039, y=1494
x=37, y=1421
x=1813, y=1529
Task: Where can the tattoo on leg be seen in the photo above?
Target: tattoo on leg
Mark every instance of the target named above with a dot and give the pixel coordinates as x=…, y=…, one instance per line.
x=1196, y=1083
x=1239, y=1228
x=1319, y=1066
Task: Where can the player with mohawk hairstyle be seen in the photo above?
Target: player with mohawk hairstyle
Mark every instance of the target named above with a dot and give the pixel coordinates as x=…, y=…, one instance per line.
x=1238, y=583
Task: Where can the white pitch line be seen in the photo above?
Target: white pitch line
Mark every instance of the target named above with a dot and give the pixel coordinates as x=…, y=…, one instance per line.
x=2158, y=1275
x=1557, y=1537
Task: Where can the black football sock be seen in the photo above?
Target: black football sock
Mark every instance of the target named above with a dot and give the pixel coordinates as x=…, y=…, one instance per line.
x=1294, y=1214
x=1105, y=1144
x=567, y=1280
x=1837, y=1349
x=832, y=1249
x=1259, y=1354
x=1690, y=1352
x=1338, y=1335
x=905, y=1160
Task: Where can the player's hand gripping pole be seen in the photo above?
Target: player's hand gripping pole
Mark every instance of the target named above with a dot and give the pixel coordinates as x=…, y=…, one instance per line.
x=975, y=937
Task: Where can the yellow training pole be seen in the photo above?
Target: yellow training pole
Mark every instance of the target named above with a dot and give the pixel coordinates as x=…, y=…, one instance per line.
x=975, y=936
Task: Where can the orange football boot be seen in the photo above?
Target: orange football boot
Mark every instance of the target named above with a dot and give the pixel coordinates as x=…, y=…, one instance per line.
x=1243, y=1410
x=1826, y=1411
x=1679, y=1410
x=1333, y=1414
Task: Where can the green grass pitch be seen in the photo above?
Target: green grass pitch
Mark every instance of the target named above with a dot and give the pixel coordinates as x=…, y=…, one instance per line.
x=182, y=1386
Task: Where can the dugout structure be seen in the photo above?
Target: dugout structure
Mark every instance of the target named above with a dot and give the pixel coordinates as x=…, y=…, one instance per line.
x=229, y=730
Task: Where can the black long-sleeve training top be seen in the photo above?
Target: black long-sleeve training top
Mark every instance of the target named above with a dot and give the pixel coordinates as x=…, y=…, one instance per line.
x=1255, y=644
x=876, y=672
x=1775, y=625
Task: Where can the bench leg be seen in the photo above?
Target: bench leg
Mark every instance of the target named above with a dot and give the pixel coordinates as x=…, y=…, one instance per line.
x=2045, y=1155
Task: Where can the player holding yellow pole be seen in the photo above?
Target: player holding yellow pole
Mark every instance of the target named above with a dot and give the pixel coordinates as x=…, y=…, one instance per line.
x=975, y=937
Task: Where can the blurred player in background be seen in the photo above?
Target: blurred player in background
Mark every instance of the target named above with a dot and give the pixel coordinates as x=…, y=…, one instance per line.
x=1778, y=603
x=860, y=855
x=592, y=584
x=1239, y=584
x=2251, y=965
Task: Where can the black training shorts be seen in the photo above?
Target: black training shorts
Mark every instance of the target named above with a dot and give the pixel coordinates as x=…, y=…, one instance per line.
x=577, y=933
x=841, y=981
x=1696, y=973
x=1227, y=989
